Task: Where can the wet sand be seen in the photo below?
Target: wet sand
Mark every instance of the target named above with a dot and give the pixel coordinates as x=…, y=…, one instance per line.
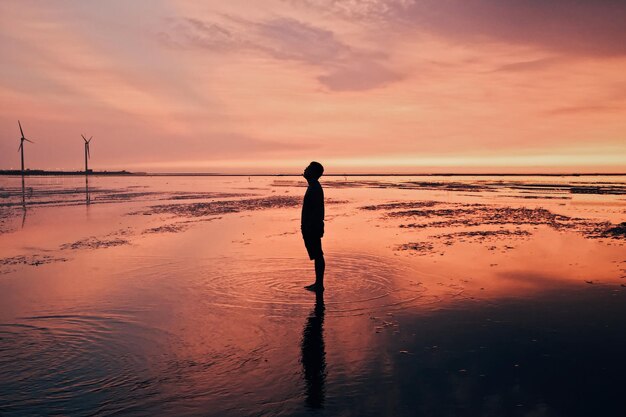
x=446, y=296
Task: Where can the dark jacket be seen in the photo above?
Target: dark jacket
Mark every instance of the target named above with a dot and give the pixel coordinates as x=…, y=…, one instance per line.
x=312, y=223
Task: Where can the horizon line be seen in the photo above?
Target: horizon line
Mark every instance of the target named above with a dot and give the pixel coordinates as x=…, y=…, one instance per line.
x=35, y=172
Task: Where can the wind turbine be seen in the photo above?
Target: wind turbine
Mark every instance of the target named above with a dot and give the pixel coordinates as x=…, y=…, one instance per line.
x=21, y=148
x=87, y=155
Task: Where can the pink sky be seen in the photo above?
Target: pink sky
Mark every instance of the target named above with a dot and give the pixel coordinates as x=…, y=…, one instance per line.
x=361, y=86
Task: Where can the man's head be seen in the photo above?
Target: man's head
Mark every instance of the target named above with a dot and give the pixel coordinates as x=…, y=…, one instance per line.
x=314, y=171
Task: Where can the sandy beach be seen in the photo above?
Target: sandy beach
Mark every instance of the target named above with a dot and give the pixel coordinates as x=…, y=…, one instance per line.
x=444, y=296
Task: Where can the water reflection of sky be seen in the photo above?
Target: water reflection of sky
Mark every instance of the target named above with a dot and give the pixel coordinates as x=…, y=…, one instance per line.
x=211, y=318
x=557, y=354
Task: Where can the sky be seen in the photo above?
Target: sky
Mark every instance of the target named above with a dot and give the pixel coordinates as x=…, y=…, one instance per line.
x=393, y=86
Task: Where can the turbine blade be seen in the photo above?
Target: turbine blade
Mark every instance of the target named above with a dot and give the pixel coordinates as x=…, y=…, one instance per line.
x=88, y=154
x=21, y=131
x=90, y=139
x=20, y=147
x=85, y=139
x=28, y=140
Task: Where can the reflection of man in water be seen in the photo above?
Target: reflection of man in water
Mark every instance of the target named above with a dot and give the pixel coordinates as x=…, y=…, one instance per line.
x=314, y=355
x=312, y=224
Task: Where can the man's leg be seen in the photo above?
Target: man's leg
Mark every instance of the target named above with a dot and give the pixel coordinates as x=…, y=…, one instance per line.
x=320, y=265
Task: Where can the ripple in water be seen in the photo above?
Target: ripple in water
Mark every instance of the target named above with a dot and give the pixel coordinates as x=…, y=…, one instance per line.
x=76, y=364
x=355, y=284
x=223, y=325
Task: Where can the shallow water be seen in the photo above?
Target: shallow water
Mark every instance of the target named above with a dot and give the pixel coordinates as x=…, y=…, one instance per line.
x=184, y=296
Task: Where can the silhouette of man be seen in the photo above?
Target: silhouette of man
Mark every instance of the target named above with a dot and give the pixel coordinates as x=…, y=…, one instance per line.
x=312, y=224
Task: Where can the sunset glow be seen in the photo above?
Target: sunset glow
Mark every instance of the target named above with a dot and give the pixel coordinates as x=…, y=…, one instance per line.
x=364, y=86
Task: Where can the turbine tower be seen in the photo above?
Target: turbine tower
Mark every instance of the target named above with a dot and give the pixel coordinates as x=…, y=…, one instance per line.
x=87, y=155
x=21, y=148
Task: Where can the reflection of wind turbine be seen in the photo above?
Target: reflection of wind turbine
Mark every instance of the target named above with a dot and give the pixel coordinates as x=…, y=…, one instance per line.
x=87, y=155
x=23, y=202
x=87, y=195
x=21, y=148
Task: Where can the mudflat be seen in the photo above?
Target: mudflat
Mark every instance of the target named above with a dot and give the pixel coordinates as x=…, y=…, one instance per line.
x=444, y=296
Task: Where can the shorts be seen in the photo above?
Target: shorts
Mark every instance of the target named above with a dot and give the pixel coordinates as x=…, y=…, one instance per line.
x=313, y=246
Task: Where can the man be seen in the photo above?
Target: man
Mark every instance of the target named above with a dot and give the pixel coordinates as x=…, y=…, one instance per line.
x=312, y=224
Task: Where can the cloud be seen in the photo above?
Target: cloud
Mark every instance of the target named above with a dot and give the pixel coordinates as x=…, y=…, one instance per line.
x=358, y=9
x=294, y=40
x=232, y=144
x=532, y=65
x=566, y=26
x=347, y=69
x=344, y=67
x=190, y=32
x=587, y=109
x=359, y=77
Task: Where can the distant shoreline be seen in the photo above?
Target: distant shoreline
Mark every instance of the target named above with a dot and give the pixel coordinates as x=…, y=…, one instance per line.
x=43, y=173
x=31, y=173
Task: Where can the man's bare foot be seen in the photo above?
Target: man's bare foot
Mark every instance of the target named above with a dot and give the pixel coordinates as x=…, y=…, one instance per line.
x=314, y=287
